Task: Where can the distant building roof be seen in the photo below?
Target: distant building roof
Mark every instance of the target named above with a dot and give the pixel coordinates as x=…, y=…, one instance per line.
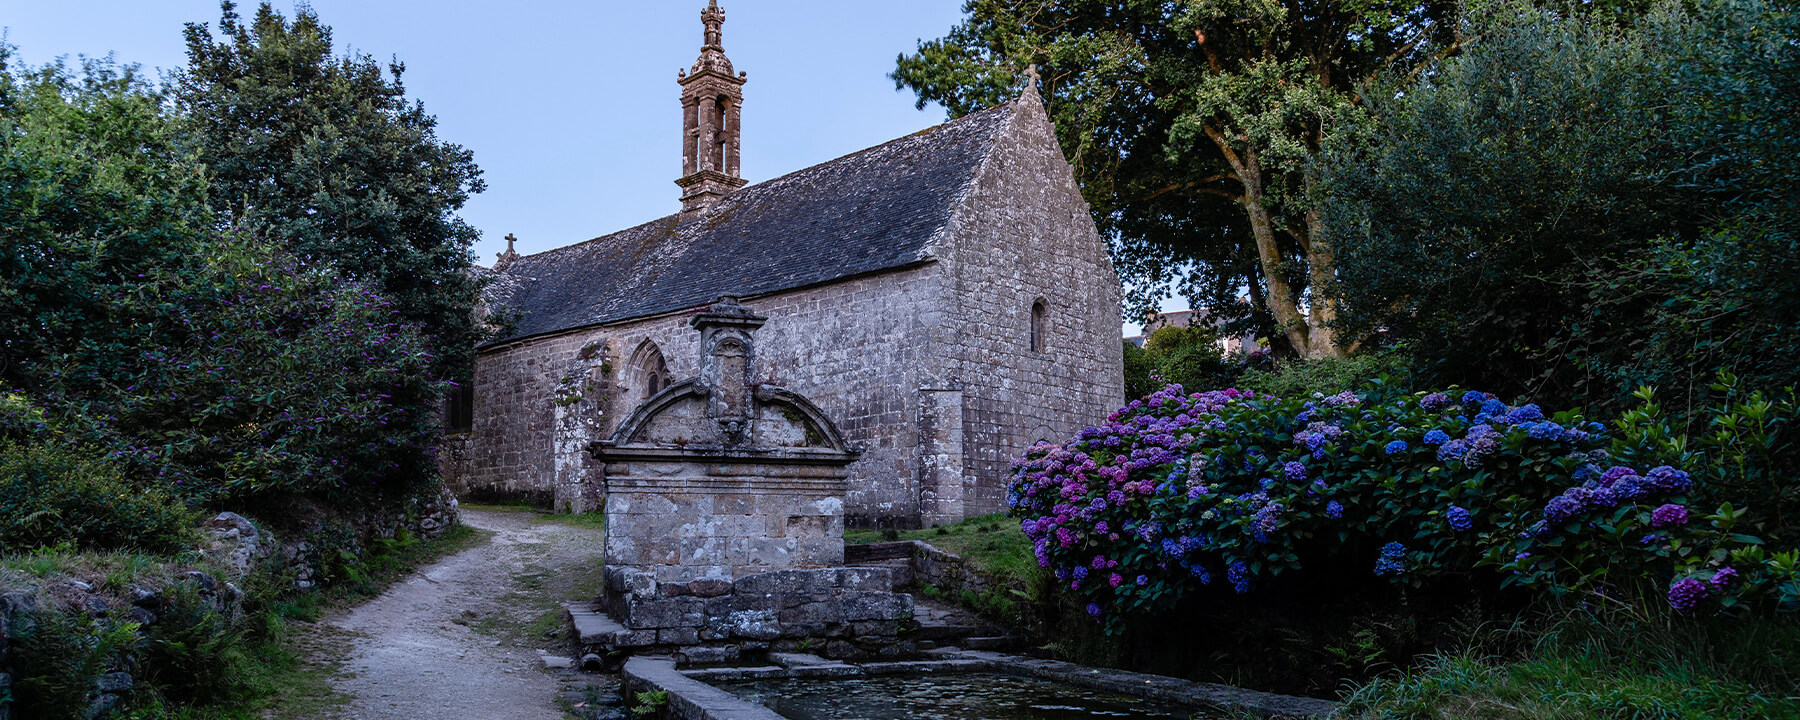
x=873, y=210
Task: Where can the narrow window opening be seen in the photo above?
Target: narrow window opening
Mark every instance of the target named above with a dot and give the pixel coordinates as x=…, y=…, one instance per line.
x=1039, y=326
x=649, y=373
x=459, y=408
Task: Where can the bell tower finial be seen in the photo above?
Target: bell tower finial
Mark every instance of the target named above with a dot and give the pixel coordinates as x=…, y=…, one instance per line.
x=712, y=95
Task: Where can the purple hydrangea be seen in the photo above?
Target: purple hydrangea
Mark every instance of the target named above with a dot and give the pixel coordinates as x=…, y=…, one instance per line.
x=1143, y=579
x=1561, y=508
x=1094, y=610
x=1334, y=510
x=1668, y=480
x=1686, y=594
x=1396, y=447
x=1294, y=470
x=1724, y=577
x=1669, y=514
x=1459, y=518
x=1435, y=402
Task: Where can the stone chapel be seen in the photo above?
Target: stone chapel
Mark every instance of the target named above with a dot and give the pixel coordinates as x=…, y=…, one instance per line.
x=944, y=298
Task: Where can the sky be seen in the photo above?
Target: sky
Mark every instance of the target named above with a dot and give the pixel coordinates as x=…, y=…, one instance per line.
x=570, y=106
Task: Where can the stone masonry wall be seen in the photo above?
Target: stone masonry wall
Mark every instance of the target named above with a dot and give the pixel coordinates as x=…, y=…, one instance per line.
x=1024, y=234
x=860, y=349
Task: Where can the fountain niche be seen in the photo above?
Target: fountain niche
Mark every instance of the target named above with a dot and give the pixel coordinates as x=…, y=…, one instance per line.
x=725, y=520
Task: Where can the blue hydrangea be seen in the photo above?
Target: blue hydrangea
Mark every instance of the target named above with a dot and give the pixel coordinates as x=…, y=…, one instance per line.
x=1081, y=572
x=1392, y=560
x=1524, y=413
x=1396, y=447
x=1294, y=470
x=1334, y=509
x=1473, y=397
x=1266, y=483
x=1436, y=437
x=1199, y=571
x=1493, y=408
x=1239, y=575
x=1459, y=519
x=1435, y=402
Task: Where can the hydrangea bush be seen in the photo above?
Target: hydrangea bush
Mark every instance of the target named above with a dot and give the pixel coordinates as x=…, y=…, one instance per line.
x=1179, y=491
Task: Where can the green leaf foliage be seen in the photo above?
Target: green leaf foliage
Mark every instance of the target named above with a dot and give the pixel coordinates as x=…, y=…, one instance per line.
x=52, y=492
x=326, y=155
x=1191, y=126
x=1580, y=206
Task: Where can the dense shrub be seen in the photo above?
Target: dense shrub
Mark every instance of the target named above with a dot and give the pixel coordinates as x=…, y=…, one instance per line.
x=1177, y=491
x=1295, y=377
x=1189, y=356
x=56, y=493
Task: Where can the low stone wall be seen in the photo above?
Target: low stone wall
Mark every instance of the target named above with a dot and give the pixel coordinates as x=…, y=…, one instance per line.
x=923, y=566
x=844, y=612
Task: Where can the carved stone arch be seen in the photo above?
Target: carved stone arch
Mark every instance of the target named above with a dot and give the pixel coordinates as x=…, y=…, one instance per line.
x=647, y=373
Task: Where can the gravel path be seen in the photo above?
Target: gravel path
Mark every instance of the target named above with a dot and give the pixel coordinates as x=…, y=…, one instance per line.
x=457, y=639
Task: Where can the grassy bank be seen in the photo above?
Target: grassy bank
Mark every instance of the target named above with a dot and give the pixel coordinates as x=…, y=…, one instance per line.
x=1586, y=667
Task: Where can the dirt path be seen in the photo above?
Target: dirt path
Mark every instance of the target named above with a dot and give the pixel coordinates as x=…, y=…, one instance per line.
x=464, y=637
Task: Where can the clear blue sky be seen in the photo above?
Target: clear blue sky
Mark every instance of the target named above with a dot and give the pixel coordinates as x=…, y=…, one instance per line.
x=571, y=106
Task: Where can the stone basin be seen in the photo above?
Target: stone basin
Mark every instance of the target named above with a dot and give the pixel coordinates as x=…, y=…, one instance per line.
x=998, y=685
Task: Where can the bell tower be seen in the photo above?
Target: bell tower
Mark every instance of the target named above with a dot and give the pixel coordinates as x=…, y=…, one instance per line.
x=712, y=95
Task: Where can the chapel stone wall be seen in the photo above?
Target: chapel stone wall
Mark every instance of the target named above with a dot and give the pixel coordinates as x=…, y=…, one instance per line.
x=1024, y=234
x=860, y=349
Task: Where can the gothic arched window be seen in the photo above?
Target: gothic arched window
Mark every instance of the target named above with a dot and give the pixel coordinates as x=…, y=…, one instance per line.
x=1040, y=328
x=647, y=374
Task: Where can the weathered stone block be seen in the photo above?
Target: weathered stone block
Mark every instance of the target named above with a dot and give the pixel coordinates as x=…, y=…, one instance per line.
x=113, y=683
x=753, y=624
x=678, y=636
x=670, y=590
x=870, y=579
x=652, y=614
x=635, y=638
x=813, y=613
x=709, y=587
x=873, y=606
x=708, y=655
x=866, y=628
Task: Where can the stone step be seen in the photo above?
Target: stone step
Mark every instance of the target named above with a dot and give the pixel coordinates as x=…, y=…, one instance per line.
x=996, y=642
x=592, y=628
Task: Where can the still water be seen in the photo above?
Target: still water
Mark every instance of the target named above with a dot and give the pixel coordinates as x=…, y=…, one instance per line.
x=960, y=696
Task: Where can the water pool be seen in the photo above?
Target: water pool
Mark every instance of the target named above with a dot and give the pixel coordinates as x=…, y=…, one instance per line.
x=957, y=696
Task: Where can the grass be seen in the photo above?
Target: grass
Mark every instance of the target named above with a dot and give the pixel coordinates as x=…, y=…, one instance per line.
x=993, y=544
x=1585, y=667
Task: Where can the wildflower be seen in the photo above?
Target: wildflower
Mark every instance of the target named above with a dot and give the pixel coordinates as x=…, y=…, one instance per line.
x=1334, y=510
x=1396, y=447
x=1459, y=519
x=1686, y=594
x=1669, y=514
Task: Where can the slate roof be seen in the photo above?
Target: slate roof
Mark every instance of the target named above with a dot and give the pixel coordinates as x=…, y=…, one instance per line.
x=868, y=211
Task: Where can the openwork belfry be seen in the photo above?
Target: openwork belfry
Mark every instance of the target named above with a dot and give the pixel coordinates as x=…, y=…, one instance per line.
x=717, y=476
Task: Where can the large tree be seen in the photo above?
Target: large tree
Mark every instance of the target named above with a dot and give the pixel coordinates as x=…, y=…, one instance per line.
x=1192, y=125
x=1578, y=206
x=326, y=153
